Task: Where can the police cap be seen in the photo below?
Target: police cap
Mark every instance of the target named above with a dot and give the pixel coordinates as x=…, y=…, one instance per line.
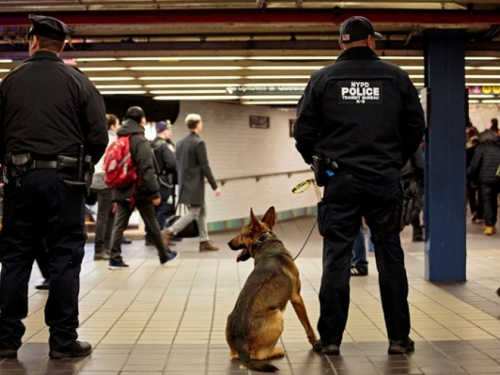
x=49, y=27
x=357, y=28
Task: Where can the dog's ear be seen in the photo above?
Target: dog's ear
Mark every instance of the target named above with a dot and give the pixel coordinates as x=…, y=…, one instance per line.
x=253, y=219
x=270, y=217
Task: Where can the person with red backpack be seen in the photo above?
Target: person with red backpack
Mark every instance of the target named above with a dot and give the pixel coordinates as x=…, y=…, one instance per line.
x=135, y=185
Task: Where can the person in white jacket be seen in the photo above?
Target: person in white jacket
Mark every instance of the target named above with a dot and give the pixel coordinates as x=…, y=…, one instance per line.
x=104, y=220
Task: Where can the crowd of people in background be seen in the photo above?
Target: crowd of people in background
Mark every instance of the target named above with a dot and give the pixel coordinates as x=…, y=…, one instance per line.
x=483, y=174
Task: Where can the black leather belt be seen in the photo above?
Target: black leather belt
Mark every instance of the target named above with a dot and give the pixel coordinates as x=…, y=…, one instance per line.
x=44, y=164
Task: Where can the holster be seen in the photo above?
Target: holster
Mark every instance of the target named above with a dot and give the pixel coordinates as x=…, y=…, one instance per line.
x=409, y=201
x=17, y=166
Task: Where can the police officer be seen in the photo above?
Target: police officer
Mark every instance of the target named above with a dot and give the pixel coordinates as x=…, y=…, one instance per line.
x=51, y=117
x=362, y=119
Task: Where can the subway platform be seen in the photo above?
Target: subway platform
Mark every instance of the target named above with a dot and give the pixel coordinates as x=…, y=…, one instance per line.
x=170, y=321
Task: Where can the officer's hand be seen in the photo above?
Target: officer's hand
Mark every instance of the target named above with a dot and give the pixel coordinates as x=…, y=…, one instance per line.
x=157, y=201
x=217, y=192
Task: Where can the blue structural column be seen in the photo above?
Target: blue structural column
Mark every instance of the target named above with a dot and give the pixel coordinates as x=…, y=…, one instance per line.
x=445, y=201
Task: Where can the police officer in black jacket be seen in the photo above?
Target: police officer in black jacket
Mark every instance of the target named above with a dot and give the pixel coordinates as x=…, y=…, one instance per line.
x=362, y=119
x=52, y=127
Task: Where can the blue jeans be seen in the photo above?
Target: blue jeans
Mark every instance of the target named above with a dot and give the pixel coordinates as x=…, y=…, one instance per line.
x=359, y=251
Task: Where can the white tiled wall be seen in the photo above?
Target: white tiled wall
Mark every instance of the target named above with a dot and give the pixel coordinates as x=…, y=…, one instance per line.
x=236, y=150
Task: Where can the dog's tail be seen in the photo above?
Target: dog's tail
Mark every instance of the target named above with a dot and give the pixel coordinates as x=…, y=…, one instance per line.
x=253, y=365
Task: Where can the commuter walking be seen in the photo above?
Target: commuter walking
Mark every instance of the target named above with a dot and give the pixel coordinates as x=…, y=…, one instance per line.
x=105, y=218
x=52, y=128
x=193, y=168
x=143, y=194
x=483, y=168
x=362, y=119
x=164, y=150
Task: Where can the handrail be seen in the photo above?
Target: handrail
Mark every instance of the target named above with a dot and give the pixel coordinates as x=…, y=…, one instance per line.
x=259, y=176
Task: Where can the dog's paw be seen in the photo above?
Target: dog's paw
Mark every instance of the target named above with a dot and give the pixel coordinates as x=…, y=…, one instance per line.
x=278, y=352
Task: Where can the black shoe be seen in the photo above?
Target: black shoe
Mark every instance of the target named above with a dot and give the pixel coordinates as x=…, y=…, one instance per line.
x=126, y=241
x=170, y=256
x=8, y=353
x=498, y=292
x=358, y=271
x=44, y=286
x=401, y=346
x=117, y=265
x=331, y=349
x=77, y=349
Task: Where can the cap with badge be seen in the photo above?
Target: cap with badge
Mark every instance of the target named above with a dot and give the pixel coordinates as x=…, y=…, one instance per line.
x=49, y=27
x=357, y=28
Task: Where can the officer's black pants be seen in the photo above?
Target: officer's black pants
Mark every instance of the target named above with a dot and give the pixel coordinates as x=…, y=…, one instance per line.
x=346, y=200
x=43, y=207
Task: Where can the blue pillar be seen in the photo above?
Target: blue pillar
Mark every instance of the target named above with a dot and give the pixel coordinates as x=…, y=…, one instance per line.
x=445, y=252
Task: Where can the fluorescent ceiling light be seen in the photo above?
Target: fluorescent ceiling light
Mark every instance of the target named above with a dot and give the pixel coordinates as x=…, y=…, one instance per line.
x=482, y=76
x=129, y=92
x=491, y=101
x=292, y=57
x=118, y=86
x=185, y=85
x=251, y=97
x=481, y=96
x=103, y=69
x=270, y=67
x=183, y=58
x=196, y=68
x=184, y=78
x=487, y=67
x=473, y=101
x=5, y=61
x=411, y=67
x=197, y=97
x=98, y=59
x=270, y=102
x=112, y=78
x=481, y=58
x=402, y=57
x=5, y=70
x=469, y=84
x=279, y=77
x=187, y=92
x=416, y=76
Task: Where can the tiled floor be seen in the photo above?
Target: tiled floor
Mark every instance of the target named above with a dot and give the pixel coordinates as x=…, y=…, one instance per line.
x=151, y=320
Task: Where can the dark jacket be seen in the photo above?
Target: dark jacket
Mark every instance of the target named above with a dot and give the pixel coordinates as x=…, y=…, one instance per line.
x=362, y=112
x=414, y=169
x=485, y=161
x=148, y=188
x=165, y=159
x=48, y=108
x=193, y=168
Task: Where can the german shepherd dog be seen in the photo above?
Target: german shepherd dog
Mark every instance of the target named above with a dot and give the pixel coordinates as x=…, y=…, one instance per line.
x=256, y=323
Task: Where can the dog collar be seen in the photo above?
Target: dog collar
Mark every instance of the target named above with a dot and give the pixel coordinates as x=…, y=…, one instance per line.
x=264, y=236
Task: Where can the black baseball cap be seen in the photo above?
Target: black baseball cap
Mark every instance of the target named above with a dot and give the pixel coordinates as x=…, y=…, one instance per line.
x=49, y=27
x=357, y=28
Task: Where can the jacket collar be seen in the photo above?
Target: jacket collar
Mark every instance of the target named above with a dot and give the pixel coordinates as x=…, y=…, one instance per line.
x=44, y=55
x=358, y=53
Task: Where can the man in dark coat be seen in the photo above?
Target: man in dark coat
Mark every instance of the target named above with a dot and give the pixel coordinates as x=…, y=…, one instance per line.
x=193, y=168
x=51, y=116
x=143, y=194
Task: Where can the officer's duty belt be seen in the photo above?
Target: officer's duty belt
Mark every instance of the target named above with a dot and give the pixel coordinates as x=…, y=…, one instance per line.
x=44, y=164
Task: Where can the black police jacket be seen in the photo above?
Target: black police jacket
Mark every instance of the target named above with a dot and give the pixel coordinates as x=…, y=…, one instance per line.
x=362, y=112
x=49, y=108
